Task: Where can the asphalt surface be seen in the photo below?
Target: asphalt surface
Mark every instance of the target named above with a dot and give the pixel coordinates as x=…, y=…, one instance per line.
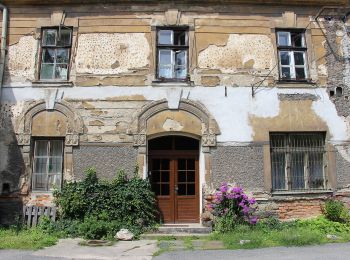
x=320, y=252
x=326, y=252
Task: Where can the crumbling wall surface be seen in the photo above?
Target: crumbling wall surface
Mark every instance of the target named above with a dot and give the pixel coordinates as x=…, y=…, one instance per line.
x=110, y=54
x=241, y=51
x=338, y=48
x=107, y=160
x=109, y=120
x=21, y=58
x=11, y=161
x=242, y=165
x=343, y=166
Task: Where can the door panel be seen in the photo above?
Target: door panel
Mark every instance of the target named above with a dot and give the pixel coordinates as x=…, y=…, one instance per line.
x=161, y=180
x=187, y=192
x=175, y=182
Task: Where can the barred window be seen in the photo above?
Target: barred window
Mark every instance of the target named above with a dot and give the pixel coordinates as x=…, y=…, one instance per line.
x=47, y=164
x=297, y=161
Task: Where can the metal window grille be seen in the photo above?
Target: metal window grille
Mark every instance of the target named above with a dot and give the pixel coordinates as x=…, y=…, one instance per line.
x=297, y=161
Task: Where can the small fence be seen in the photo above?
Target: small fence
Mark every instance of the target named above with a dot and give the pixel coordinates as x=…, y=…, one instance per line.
x=32, y=214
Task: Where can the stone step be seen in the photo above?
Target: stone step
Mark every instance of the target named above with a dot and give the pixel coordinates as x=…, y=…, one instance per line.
x=180, y=230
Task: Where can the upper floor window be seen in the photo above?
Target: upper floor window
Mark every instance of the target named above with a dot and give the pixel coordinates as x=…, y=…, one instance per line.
x=297, y=161
x=47, y=164
x=55, y=53
x=292, y=55
x=172, y=50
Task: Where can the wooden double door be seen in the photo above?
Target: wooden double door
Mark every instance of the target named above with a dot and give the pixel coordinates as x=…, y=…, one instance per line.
x=175, y=180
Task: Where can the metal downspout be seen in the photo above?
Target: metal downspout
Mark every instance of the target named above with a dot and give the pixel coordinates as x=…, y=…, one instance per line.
x=3, y=44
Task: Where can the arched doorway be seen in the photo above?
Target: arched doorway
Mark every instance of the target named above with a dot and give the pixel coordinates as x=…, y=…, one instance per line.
x=174, y=176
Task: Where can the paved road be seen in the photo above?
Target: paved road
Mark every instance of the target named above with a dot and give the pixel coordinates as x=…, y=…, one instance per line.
x=326, y=252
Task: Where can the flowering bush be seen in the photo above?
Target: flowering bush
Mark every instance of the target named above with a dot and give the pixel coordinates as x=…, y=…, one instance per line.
x=232, y=206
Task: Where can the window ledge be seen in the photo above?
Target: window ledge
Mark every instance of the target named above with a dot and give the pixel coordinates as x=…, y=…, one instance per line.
x=295, y=83
x=307, y=192
x=157, y=83
x=55, y=84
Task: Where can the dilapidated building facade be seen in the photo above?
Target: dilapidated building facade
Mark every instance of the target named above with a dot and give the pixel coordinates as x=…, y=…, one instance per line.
x=195, y=94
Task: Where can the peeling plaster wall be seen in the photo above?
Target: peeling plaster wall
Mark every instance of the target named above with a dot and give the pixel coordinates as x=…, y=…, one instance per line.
x=109, y=54
x=240, y=52
x=21, y=57
x=232, y=113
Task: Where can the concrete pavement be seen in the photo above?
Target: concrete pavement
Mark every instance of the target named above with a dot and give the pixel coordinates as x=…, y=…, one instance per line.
x=340, y=251
x=70, y=249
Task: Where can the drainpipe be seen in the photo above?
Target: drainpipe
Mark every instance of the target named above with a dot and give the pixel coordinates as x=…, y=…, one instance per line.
x=3, y=43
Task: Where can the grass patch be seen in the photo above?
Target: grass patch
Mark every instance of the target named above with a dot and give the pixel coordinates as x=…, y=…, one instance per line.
x=298, y=233
x=32, y=238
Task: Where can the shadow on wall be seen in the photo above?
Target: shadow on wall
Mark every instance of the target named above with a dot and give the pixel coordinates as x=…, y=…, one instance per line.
x=12, y=166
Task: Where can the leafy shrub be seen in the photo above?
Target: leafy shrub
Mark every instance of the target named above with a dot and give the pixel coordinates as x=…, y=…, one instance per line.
x=324, y=225
x=335, y=210
x=102, y=207
x=274, y=223
x=232, y=206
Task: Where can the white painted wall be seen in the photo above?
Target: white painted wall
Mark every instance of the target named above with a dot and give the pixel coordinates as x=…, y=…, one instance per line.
x=231, y=112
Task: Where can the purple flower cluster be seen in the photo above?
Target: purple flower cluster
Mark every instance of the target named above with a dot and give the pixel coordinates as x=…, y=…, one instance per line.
x=232, y=200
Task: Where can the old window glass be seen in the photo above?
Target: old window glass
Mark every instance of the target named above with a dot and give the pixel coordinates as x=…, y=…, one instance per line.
x=292, y=55
x=47, y=165
x=172, y=54
x=297, y=161
x=55, y=55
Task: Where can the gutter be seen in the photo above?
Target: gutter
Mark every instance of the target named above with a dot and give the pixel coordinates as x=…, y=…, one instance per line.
x=3, y=44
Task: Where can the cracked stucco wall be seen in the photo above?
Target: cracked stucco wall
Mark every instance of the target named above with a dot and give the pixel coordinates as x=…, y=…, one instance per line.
x=240, y=52
x=21, y=57
x=110, y=54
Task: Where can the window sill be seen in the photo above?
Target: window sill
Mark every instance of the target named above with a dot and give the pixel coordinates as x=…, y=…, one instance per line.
x=55, y=84
x=159, y=83
x=307, y=192
x=294, y=83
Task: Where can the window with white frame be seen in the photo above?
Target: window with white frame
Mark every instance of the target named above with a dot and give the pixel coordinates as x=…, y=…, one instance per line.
x=292, y=55
x=47, y=164
x=297, y=161
x=56, y=45
x=172, y=51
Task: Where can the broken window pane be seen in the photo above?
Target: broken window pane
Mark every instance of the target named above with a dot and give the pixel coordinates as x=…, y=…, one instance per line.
x=297, y=39
x=180, y=66
x=300, y=73
x=49, y=37
x=284, y=58
x=64, y=37
x=165, y=37
x=285, y=72
x=299, y=58
x=180, y=38
x=61, y=71
x=283, y=38
x=62, y=55
x=48, y=56
x=47, y=71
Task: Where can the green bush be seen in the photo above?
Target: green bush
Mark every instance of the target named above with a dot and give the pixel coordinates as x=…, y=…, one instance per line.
x=335, y=210
x=99, y=208
x=324, y=225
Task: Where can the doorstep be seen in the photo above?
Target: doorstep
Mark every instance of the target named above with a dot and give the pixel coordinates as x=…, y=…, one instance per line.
x=179, y=230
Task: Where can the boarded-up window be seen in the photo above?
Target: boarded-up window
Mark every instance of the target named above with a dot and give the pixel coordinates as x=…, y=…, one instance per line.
x=297, y=161
x=47, y=164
